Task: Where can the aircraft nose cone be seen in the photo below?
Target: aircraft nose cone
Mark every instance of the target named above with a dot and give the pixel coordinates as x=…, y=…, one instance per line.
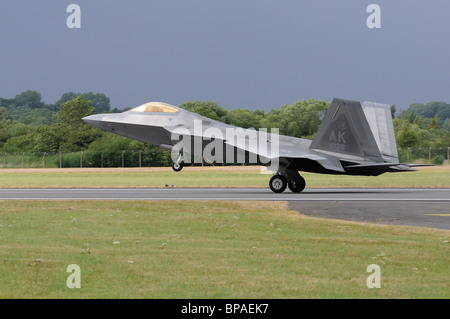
x=93, y=120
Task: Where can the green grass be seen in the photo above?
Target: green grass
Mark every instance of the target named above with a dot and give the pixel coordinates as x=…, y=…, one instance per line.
x=210, y=250
x=431, y=177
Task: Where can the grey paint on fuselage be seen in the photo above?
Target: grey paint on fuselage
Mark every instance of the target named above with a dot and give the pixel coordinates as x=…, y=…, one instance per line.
x=157, y=128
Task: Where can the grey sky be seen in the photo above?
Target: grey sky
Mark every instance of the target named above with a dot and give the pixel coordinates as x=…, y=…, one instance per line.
x=240, y=53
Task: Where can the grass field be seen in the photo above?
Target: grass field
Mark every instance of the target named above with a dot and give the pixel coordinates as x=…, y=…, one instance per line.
x=426, y=177
x=160, y=249
x=163, y=249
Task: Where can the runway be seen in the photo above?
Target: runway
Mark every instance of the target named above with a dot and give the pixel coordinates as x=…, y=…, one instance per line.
x=417, y=207
x=169, y=193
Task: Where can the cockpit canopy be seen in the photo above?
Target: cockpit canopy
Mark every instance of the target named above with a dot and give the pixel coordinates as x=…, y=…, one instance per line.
x=155, y=107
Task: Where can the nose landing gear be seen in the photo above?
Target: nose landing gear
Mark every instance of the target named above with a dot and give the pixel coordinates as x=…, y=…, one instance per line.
x=178, y=165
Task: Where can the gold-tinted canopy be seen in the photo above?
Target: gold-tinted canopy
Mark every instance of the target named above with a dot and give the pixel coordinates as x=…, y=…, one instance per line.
x=155, y=107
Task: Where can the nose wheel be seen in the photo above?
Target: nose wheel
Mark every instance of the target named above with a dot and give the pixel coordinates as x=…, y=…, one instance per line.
x=177, y=166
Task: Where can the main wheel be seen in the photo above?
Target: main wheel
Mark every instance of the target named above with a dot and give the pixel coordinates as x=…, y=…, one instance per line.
x=278, y=183
x=297, y=186
x=177, y=166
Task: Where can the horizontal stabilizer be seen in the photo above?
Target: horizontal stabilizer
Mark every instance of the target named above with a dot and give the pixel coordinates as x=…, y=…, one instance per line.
x=419, y=165
x=382, y=167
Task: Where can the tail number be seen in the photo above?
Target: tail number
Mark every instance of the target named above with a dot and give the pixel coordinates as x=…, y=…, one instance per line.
x=337, y=141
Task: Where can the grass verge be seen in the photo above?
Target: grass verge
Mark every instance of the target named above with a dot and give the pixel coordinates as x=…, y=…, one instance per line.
x=160, y=249
x=426, y=177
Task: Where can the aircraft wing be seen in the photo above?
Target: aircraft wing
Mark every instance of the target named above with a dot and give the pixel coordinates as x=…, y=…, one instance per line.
x=289, y=149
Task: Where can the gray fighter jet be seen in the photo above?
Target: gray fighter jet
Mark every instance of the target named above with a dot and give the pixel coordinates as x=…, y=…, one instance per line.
x=353, y=139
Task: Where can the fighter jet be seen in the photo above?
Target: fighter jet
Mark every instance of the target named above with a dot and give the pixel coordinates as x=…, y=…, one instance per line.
x=353, y=139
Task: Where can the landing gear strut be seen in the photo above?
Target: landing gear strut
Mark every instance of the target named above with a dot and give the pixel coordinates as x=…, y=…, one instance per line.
x=289, y=178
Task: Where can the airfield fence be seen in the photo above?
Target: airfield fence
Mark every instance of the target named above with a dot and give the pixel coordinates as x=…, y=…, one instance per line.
x=128, y=158
x=85, y=159
x=139, y=158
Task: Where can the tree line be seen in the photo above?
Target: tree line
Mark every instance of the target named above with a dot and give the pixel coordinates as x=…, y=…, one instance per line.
x=27, y=124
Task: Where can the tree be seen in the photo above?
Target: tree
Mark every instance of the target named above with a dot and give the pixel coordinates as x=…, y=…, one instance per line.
x=99, y=101
x=3, y=113
x=301, y=119
x=19, y=143
x=16, y=137
x=110, y=146
x=433, y=123
x=209, y=109
x=446, y=124
x=431, y=109
x=68, y=96
x=407, y=137
x=31, y=99
x=443, y=114
x=47, y=139
x=244, y=118
x=28, y=108
x=393, y=111
x=273, y=119
x=73, y=134
x=70, y=113
x=5, y=102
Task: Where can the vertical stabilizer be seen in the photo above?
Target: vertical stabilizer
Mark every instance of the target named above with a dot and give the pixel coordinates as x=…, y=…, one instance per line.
x=345, y=130
x=380, y=121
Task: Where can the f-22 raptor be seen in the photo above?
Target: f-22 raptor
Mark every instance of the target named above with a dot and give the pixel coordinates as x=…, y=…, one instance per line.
x=353, y=139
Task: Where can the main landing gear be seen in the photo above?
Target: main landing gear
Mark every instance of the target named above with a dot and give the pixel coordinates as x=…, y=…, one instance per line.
x=291, y=179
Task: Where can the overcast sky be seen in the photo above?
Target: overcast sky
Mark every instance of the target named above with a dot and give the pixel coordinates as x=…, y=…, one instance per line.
x=240, y=53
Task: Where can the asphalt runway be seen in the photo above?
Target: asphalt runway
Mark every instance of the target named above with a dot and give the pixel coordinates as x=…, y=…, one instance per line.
x=415, y=207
